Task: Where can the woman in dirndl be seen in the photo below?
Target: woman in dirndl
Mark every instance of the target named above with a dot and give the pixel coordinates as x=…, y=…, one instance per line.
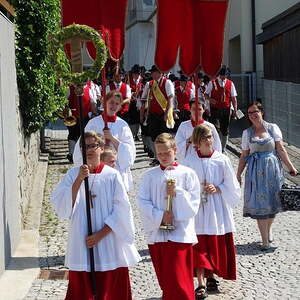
x=262, y=152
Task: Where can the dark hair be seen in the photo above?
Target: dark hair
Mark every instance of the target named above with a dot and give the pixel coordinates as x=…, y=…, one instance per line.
x=258, y=104
x=193, y=101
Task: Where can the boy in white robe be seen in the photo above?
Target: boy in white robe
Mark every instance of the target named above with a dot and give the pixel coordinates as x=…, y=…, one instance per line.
x=112, y=224
x=220, y=192
x=119, y=136
x=170, y=250
x=185, y=131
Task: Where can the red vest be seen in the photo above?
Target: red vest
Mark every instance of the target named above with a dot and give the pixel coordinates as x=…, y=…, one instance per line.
x=155, y=108
x=183, y=97
x=221, y=94
x=136, y=87
x=74, y=101
x=123, y=90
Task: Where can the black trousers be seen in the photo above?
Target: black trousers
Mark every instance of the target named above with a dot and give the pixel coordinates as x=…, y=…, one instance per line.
x=156, y=125
x=220, y=117
x=74, y=131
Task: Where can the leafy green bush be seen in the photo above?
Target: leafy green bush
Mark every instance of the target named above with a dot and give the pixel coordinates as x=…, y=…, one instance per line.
x=40, y=94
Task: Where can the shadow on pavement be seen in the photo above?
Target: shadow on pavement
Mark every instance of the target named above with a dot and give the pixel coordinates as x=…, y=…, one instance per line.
x=253, y=248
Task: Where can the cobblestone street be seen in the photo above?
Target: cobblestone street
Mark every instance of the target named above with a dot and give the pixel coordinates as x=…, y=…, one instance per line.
x=274, y=274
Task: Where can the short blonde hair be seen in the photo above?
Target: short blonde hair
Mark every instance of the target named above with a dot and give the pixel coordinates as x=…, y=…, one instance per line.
x=114, y=94
x=167, y=139
x=200, y=132
x=93, y=134
x=108, y=152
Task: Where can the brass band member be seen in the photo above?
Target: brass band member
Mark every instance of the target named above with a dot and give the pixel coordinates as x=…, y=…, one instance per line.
x=160, y=118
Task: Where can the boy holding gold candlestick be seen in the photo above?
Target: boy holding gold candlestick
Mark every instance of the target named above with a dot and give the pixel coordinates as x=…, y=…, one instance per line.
x=169, y=198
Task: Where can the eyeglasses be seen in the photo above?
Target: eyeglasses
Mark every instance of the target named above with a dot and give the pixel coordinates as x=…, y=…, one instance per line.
x=206, y=138
x=92, y=146
x=253, y=112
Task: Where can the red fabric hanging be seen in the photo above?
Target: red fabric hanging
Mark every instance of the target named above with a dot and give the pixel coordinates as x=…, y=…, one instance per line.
x=107, y=16
x=198, y=33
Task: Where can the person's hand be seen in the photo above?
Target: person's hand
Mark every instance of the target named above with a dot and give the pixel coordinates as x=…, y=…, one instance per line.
x=233, y=116
x=293, y=172
x=107, y=134
x=167, y=218
x=171, y=189
x=211, y=189
x=189, y=140
x=83, y=172
x=93, y=240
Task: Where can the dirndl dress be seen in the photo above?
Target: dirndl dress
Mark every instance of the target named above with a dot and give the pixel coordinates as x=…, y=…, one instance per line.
x=264, y=177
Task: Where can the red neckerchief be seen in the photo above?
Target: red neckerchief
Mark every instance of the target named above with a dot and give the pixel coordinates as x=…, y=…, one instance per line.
x=98, y=169
x=174, y=164
x=205, y=156
x=194, y=122
x=111, y=119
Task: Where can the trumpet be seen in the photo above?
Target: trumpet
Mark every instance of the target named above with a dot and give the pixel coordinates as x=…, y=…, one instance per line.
x=149, y=98
x=66, y=115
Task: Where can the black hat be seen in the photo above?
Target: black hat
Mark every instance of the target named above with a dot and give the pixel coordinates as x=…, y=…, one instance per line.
x=154, y=69
x=183, y=78
x=136, y=69
x=200, y=75
x=173, y=77
x=224, y=71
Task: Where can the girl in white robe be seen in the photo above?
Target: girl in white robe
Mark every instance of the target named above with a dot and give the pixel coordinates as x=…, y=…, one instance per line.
x=215, y=251
x=112, y=224
x=184, y=133
x=119, y=136
x=170, y=250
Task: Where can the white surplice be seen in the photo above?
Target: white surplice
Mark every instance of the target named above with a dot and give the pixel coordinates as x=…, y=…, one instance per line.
x=126, y=151
x=111, y=207
x=185, y=131
x=215, y=216
x=152, y=203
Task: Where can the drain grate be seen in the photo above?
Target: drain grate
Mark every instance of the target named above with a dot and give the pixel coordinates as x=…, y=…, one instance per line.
x=51, y=274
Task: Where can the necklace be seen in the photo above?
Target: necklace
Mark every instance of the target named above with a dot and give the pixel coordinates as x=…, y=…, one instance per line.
x=204, y=194
x=97, y=171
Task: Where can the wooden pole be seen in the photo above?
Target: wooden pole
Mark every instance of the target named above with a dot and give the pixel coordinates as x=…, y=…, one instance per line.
x=196, y=98
x=77, y=66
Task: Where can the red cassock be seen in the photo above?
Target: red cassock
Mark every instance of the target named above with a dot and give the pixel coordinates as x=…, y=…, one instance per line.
x=123, y=90
x=221, y=94
x=155, y=108
x=183, y=96
x=216, y=254
x=173, y=264
x=199, y=35
x=111, y=285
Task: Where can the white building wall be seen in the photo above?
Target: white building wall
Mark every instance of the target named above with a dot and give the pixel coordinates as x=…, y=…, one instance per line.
x=9, y=183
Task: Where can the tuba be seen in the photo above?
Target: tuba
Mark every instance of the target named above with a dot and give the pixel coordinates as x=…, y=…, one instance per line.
x=66, y=115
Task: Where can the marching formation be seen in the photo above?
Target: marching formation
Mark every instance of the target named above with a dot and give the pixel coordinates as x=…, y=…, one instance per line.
x=186, y=200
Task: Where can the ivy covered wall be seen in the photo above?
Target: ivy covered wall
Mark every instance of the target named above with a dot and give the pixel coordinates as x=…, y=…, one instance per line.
x=40, y=95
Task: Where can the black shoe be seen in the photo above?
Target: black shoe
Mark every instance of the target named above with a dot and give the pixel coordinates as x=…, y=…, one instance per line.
x=70, y=158
x=154, y=163
x=212, y=285
x=200, y=292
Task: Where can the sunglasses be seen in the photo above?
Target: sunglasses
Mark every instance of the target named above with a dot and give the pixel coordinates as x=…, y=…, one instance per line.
x=206, y=138
x=92, y=146
x=253, y=112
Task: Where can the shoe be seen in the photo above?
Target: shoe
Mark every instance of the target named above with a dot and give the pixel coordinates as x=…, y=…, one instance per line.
x=212, y=285
x=271, y=238
x=200, y=292
x=154, y=163
x=265, y=247
x=70, y=158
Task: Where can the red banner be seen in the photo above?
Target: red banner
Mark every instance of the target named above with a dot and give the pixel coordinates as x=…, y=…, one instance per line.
x=195, y=28
x=108, y=16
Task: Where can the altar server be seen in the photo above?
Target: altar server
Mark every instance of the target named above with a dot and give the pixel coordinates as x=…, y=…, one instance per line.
x=112, y=223
x=184, y=133
x=119, y=136
x=220, y=192
x=170, y=250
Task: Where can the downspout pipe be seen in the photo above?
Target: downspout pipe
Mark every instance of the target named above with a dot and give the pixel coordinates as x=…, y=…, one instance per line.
x=253, y=20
